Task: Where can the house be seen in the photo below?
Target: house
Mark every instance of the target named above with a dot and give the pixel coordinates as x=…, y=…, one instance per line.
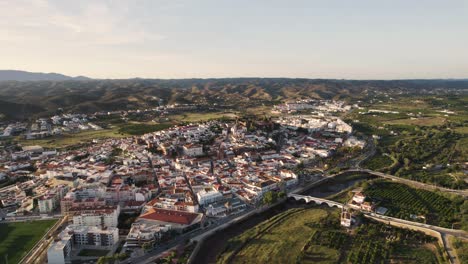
x=193, y=150
x=347, y=218
x=359, y=198
x=207, y=196
x=367, y=206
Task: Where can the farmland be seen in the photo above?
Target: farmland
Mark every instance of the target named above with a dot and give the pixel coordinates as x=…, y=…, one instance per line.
x=419, y=137
x=423, y=121
x=404, y=201
x=18, y=238
x=313, y=235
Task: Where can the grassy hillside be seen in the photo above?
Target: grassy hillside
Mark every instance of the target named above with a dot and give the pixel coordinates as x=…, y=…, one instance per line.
x=313, y=235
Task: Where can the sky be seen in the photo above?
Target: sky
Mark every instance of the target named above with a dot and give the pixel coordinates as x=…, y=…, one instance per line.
x=346, y=39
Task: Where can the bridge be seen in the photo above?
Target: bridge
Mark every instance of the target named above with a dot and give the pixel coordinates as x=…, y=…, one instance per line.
x=442, y=234
x=316, y=200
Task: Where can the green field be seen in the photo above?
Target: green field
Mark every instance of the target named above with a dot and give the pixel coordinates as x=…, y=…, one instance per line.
x=116, y=131
x=200, y=117
x=16, y=239
x=67, y=140
x=277, y=240
x=137, y=129
x=422, y=121
x=402, y=201
x=313, y=235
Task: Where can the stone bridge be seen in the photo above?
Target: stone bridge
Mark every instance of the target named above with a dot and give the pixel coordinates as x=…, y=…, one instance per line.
x=316, y=200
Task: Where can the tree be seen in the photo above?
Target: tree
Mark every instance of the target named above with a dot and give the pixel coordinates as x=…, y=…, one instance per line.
x=281, y=194
x=146, y=246
x=269, y=198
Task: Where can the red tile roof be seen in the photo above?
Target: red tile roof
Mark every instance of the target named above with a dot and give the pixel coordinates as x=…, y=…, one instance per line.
x=170, y=216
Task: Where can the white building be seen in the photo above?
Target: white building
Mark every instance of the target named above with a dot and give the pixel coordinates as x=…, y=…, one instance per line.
x=60, y=250
x=46, y=204
x=95, y=236
x=208, y=196
x=102, y=216
x=193, y=150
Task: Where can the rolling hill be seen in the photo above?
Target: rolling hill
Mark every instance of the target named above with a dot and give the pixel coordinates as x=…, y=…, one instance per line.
x=20, y=100
x=21, y=76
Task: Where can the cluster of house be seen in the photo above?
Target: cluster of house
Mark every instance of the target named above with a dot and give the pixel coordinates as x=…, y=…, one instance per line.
x=172, y=179
x=314, y=123
x=12, y=129
x=318, y=106
x=14, y=199
x=358, y=202
x=58, y=124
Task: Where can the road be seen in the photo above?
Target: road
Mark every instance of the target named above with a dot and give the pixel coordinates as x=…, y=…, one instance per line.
x=195, y=235
x=417, y=184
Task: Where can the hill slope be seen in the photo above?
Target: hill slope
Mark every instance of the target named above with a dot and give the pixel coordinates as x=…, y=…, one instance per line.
x=31, y=99
x=14, y=75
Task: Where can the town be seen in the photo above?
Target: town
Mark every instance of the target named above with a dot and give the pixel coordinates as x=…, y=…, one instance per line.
x=170, y=182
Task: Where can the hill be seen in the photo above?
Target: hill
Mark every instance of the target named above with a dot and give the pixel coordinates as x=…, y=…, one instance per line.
x=21, y=100
x=14, y=75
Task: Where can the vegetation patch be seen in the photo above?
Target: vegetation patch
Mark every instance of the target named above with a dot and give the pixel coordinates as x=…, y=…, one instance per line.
x=67, y=140
x=378, y=162
x=140, y=129
x=421, y=121
x=16, y=239
x=314, y=235
x=277, y=240
x=415, y=204
x=461, y=247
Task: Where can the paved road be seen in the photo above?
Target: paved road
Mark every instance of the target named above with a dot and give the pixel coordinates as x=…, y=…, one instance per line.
x=195, y=235
x=421, y=185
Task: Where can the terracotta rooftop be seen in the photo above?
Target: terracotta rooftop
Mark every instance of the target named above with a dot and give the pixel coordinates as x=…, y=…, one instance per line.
x=170, y=216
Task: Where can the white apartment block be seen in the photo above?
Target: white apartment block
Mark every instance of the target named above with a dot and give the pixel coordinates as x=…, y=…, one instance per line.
x=193, y=150
x=59, y=251
x=99, y=217
x=46, y=204
x=207, y=197
x=95, y=236
x=80, y=236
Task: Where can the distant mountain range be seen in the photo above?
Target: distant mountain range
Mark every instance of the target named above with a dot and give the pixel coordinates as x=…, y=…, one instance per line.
x=22, y=76
x=30, y=99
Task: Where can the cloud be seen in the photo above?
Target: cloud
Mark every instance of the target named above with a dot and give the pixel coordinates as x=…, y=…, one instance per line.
x=90, y=23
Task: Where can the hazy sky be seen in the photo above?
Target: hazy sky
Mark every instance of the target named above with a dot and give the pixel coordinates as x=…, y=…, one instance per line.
x=352, y=39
